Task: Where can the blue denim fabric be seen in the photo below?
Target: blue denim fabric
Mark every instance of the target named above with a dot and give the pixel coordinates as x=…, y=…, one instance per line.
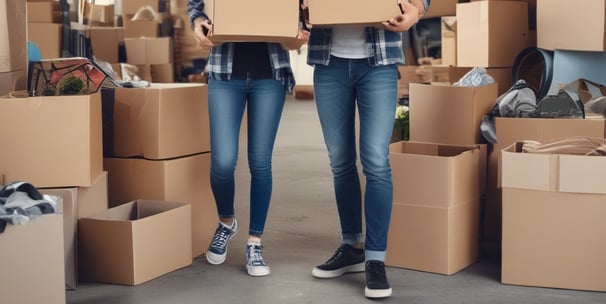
x=264, y=101
x=340, y=87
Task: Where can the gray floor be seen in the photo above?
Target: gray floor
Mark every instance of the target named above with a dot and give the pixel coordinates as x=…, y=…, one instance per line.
x=301, y=232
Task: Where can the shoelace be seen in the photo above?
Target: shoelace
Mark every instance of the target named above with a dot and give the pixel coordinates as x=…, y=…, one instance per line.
x=336, y=256
x=255, y=255
x=221, y=236
x=376, y=272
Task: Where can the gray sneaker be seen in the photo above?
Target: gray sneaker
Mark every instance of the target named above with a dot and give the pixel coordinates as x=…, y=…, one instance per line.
x=217, y=251
x=255, y=265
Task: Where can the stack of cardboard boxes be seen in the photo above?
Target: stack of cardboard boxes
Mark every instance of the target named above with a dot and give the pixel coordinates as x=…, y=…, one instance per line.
x=551, y=203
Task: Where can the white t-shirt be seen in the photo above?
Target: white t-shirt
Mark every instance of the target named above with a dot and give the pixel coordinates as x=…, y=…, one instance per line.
x=349, y=42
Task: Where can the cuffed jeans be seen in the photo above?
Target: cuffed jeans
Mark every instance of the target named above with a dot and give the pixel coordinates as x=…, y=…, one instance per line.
x=264, y=101
x=339, y=88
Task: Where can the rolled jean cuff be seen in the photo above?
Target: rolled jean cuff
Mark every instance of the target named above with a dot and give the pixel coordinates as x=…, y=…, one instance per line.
x=373, y=255
x=352, y=238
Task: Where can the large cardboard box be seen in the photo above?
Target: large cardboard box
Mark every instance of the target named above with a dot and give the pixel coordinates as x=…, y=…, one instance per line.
x=491, y=33
x=510, y=130
x=553, y=220
x=43, y=11
x=161, y=121
x=13, y=39
x=586, y=33
x=52, y=141
x=148, y=50
x=100, y=14
x=449, y=114
x=32, y=276
x=135, y=242
x=185, y=179
x=163, y=73
x=439, y=8
x=47, y=37
x=358, y=12
x=105, y=42
x=78, y=202
x=434, y=223
x=267, y=26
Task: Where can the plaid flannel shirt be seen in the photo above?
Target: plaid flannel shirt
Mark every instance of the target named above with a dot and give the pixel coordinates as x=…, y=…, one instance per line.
x=385, y=46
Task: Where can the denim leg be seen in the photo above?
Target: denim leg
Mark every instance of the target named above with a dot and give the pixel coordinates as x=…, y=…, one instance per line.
x=335, y=101
x=226, y=104
x=377, y=96
x=265, y=104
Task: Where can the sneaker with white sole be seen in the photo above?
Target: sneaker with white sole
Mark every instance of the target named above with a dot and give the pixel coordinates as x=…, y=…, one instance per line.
x=376, y=281
x=255, y=264
x=217, y=251
x=345, y=259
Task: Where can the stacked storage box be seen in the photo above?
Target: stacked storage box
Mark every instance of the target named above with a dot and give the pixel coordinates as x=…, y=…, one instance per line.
x=161, y=151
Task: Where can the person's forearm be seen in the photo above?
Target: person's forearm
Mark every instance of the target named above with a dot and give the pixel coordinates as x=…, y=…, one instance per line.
x=195, y=10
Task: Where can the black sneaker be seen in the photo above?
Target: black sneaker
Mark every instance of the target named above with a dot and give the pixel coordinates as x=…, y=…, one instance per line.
x=376, y=280
x=346, y=259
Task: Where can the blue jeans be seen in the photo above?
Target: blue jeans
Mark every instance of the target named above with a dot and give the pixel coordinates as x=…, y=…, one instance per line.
x=339, y=88
x=264, y=101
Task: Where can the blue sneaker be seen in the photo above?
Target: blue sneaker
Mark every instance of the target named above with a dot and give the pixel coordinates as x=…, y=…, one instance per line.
x=255, y=265
x=217, y=251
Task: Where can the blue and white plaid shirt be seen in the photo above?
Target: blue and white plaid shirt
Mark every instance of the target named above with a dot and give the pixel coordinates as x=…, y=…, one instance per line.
x=220, y=60
x=385, y=46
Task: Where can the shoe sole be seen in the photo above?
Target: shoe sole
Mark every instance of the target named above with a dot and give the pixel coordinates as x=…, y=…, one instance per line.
x=257, y=272
x=327, y=274
x=215, y=259
x=377, y=293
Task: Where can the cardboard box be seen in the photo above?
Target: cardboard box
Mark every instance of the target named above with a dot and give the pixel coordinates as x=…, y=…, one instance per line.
x=510, y=130
x=358, y=12
x=52, y=141
x=439, y=8
x=491, y=33
x=43, y=12
x=148, y=50
x=427, y=74
x=101, y=14
x=161, y=121
x=163, y=73
x=30, y=278
x=47, y=37
x=586, y=33
x=105, y=42
x=553, y=208
x=13, y=81
x=449, y=40
x=135, y=242
x=435, y=210
x=13, y=40
x=185, y=179
x=140, y=28
x=78, y=202
x=449, y=114
x=268, y=26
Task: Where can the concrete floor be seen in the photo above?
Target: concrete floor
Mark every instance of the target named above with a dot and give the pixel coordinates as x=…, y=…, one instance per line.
x=302, y=231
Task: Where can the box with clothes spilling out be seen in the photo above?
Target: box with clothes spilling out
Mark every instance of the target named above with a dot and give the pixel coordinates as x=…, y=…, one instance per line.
x=554, y=202
x=31, y=238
